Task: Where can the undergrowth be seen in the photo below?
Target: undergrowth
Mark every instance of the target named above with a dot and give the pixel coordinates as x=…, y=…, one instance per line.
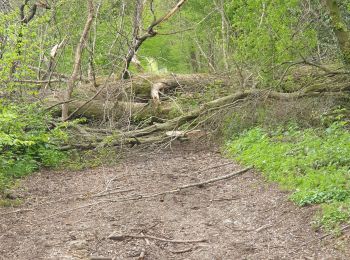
x=313, y=163
x=26, y=144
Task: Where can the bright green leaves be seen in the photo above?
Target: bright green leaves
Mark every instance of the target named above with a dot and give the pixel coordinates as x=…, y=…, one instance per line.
x=268, y=33
x=20, y=48
x=25, y=143
x=314, y=163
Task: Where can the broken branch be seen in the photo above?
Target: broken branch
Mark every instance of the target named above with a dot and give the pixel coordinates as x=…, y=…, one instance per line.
x=121, y=237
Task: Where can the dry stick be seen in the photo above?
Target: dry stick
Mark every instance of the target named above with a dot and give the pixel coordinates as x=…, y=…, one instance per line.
x=59, y=103
x=16, y=211
x=147, y=196
x=37, y=82
x=121, y=237
x=263, y=227
x=180, y=188
x=37, y=206
x=142, y=255
x=215, y=179
x=110, y=193
x=181, y=251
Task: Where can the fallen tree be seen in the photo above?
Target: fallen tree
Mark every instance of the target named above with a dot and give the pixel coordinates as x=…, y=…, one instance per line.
x=143, y=96
x=183, y=125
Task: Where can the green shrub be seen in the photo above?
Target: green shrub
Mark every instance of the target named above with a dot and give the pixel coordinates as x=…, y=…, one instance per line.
x=26, y=143
x=313, y=163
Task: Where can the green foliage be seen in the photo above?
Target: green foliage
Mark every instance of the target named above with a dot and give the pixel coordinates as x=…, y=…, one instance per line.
x=332, y=214
x=269, y=33
x=21, y=45
x=25, y=143
x=314, y=163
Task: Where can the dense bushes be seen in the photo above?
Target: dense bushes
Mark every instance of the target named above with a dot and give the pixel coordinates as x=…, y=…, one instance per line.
x=313, y=163
x=25, y=143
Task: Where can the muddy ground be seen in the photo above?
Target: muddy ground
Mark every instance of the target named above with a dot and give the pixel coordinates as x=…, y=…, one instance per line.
x=70, y=215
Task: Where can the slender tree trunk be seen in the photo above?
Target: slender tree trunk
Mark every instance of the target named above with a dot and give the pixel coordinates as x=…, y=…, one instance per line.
x=224, y=42
x=4, y=8
x=340, y=29
x=138, y=40
x=77, y=61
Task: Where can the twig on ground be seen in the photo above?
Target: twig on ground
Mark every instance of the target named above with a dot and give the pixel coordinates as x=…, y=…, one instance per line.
x=111, y=193
x=147, y=196
x=225, y=199
x=142, y=255
x=121, y=237
x=263, y=227
x=100, y=258
x=180, y=188
x=146, y=240
x=181, y=251
x=16, y=211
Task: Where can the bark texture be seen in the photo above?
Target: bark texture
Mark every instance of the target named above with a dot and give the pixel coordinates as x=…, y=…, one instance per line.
x=340, y=29
x=77, y=61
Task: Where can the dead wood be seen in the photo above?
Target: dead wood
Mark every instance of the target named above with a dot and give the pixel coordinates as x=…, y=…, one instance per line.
x=222, y=102
x=181, y=251
x=157, y=131
x=111, y=193
x=16, y=211
x=140, y=96
x=181, y=188
x=145, y=196
x=121, y=237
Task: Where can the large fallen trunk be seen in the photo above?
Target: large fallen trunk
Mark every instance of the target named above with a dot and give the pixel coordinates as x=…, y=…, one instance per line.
x=99, y=109
x=222, y=103
x=145, y=86
x=140, y=96
x=174, y=128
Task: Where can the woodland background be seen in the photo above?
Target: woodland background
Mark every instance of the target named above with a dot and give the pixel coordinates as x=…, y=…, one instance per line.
x=267, y=79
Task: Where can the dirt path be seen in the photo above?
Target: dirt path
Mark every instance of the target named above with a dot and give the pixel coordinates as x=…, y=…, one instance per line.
x=242, y=218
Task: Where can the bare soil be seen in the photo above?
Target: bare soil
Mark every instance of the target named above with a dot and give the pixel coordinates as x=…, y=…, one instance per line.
x=70, y=215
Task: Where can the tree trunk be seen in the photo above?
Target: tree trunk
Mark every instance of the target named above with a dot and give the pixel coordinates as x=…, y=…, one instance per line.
x=220, y=5
x=340, y=29
x=77, y=61
x=139, y=40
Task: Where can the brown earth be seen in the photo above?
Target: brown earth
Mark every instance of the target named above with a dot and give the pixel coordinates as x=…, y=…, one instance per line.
x=70, y=215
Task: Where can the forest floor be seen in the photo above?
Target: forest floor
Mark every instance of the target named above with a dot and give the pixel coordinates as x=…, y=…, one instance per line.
x=70, y=215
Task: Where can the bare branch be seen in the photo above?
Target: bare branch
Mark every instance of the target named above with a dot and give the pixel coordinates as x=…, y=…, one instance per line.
x=138, y=40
